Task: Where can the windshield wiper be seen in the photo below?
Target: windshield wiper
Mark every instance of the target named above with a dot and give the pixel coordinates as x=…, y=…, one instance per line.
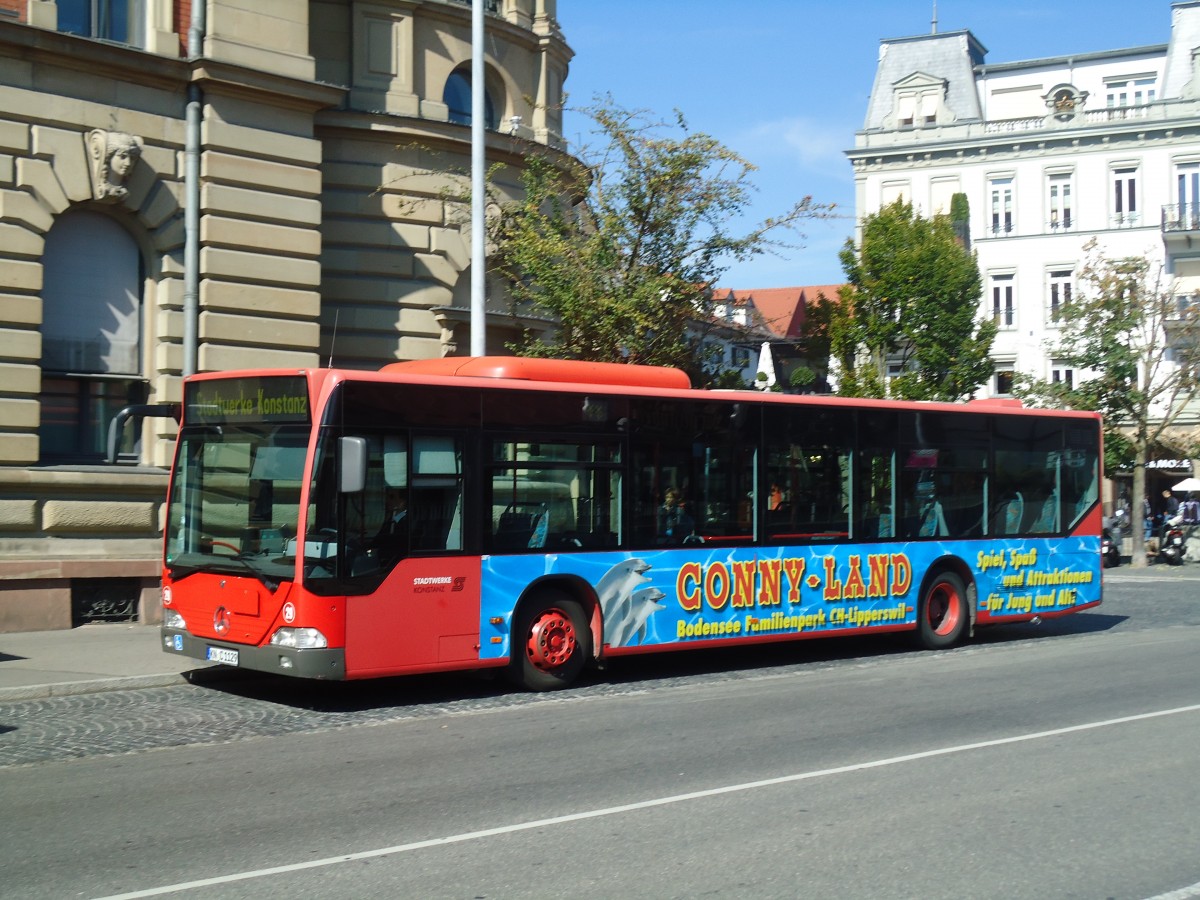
x=244, y=560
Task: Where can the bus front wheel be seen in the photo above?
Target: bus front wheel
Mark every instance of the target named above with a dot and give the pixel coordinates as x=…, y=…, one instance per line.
x=943, y=615
x=550, y=642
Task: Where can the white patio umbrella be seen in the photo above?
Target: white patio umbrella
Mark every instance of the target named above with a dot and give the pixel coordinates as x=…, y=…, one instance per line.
x=1188, y=484
x=766, y=366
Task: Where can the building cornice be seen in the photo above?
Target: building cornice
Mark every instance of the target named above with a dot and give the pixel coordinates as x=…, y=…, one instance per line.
x=102, y=59
x=435, y=134
x=1164, y=122
x=257, y=85
x=527, y=36
x=1070, y=59
x=96, y=58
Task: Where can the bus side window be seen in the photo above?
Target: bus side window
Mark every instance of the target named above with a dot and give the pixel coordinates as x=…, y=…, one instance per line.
x=809, y=460
x=875, y=493
x=435, y=497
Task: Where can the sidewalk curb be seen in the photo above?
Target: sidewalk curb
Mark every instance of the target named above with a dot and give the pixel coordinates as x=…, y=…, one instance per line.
x=118, y=683
x=94, y=686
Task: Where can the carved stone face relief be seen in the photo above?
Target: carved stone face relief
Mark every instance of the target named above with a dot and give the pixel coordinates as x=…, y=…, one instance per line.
x=113, y=155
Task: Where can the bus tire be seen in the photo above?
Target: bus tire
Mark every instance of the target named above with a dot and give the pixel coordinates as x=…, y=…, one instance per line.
x=942, y=616
x=550, y=642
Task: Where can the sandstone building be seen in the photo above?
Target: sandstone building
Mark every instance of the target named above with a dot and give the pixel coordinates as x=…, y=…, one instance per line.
x=251, y=183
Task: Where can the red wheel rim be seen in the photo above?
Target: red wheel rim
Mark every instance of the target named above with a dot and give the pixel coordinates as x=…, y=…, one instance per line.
x=944, y=609
x=551, y=640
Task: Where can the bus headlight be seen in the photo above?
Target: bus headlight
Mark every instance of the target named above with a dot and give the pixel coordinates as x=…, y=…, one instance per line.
x=299, y=638
x=172, y=619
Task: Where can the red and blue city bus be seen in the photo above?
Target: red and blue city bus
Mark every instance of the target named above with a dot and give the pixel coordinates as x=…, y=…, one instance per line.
x=544, y=515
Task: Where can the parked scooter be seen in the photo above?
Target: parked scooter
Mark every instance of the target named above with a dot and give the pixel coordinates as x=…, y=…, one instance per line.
x=1110, y=551
x=1171, y=545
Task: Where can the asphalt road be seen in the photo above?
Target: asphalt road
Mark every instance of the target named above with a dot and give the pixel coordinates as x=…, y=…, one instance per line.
x=1052, y=761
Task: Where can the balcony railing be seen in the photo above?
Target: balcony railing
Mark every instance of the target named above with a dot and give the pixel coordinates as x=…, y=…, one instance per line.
x=1006, y=126
x=1089, y=117
x=1181, y=217
x=489, y=6
x=1116, y=114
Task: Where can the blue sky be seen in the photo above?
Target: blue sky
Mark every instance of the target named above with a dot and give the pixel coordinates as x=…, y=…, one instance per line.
x=785, y=82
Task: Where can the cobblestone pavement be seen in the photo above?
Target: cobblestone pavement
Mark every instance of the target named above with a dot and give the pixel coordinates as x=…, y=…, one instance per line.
x=119, y=722
x=131, y=721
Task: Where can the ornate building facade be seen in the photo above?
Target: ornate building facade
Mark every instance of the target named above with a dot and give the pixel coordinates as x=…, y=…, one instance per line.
x=250, y=183
x=1051, y=153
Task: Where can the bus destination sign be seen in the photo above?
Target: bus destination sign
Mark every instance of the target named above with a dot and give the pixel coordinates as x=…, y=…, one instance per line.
x=279, y=399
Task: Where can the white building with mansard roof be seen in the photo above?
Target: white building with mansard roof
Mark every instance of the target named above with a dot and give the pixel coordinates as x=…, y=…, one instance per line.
x=1050, y=153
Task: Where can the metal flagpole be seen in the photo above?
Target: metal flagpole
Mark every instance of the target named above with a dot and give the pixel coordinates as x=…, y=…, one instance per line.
x=478, y=174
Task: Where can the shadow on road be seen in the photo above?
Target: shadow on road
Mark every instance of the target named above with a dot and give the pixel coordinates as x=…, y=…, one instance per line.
x=1083, y=623
x=653, y=669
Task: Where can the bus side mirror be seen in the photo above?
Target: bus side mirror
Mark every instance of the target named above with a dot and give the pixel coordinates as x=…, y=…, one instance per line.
x=352, y=472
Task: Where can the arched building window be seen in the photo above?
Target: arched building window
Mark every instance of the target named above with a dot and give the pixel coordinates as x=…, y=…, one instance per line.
x=457, y=96
x=91, y=334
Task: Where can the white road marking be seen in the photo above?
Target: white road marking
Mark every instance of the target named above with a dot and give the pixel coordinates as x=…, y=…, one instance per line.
x=1181, y=894
x=1185, y=893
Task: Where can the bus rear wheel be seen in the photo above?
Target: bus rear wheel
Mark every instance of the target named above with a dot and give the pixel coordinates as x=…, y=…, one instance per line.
x=943, y=614
x=550, y=643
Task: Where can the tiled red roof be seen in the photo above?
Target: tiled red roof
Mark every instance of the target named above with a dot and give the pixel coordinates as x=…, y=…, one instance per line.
x=782, y=309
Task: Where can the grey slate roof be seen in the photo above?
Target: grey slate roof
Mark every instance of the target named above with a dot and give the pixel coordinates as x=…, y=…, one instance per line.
x=950, y=55
x=1185, y=36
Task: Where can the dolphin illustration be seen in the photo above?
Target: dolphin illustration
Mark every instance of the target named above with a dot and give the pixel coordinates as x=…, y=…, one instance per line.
x=619, y=583
x=641, y=605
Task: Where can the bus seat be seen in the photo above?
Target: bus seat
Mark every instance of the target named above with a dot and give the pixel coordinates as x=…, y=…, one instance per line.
x=933, y=521
x=513, y=530
x=1047, y=518
x=540, y=529
x=1009, y=514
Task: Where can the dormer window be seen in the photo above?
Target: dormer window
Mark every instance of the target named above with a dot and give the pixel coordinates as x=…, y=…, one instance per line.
x=927, y=106
x=917, y=102
x=916, y=110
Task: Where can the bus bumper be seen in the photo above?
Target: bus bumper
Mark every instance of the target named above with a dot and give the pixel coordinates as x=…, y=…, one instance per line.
x=328, y=664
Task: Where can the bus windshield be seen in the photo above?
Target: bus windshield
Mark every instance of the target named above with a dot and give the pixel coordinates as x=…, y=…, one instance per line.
x=235, y=501
x=235, y=498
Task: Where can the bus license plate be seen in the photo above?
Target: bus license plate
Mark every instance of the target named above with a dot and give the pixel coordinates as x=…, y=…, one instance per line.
x=222, y=655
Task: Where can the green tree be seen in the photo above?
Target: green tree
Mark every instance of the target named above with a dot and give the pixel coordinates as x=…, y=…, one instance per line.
x=1136, y=353
x=910, y=301
x=960, y=217
x=815, y=340
x=622, y=251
